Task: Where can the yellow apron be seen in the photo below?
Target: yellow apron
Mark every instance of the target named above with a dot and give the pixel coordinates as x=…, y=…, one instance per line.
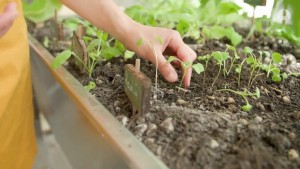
x=17, y=137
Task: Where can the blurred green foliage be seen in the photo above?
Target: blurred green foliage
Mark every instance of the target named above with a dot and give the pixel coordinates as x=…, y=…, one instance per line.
x=40, y=10
x=293, y=5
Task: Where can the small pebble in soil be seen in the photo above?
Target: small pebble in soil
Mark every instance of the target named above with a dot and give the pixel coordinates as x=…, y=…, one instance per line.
x=232, y=108
x=181, y=101
x=149, y=117
x=260, y=106
x=286, y=99
x=99, y=82
x=116, y=103
x=214, y=144
x=139, y=130
x=258, y=119
x=292, y=136
x=173, y=104
x=293, y=154
x=230, y=100
x=152, y=127
x=167, y=125
x=123, y=119
x=296, y=115
x=243, y=121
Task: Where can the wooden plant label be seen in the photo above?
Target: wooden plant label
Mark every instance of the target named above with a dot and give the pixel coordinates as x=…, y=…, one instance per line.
x=256, y=2
x=80, y=50
x=138, y=89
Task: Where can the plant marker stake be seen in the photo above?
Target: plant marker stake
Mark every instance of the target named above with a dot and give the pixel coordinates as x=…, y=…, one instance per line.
x=138, y=89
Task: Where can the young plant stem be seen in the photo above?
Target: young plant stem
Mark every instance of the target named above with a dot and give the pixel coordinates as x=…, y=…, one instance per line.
x=217, y=76
x=240, y=73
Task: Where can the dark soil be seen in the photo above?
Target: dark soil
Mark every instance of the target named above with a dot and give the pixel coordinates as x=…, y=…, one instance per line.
x=204, y=128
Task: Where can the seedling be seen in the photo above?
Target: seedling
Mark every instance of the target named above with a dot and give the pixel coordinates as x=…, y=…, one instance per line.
x=245, y=94
x=232, y=60
x=206, y=59
x=238, y=70
x=272, y=68
x=254, y=62
x=91, y=85
x=221, y=58
x=198, y=67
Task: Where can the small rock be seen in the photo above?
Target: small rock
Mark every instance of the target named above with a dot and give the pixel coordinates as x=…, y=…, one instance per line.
x=99, y=82
x=243, y=121
x=258, y=119
x=232, y=108
x=170, y=92
x=123, y=119
x=181, y=101
x=230, y=100
x=173, y=104
x=149, y=117
x=214, y=144
x=152, y=127
x=260, y=106
x=108, y=65
x=211, y=97
x=296, y=115
x=292, y=136
x=167, y=125
x=286, y=99
x=140, y=129
x=116, y=103
x=148, y=141
x=118, y=109
x=293, y=154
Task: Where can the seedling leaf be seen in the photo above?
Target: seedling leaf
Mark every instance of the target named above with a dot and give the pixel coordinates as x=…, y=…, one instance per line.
x=61, y=58
x=91, y=85
x=172, y=58
x=276, y=57
x=247, y=50
x=198, y=68
x=128, y=54
x=247, y=107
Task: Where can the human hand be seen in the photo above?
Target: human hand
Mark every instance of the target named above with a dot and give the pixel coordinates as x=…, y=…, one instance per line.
x=171, y=45
x=7, y=18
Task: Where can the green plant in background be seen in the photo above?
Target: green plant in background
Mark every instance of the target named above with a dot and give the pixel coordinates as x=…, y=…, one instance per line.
x=40, y=10
x=198, y=67
x=245, y=94
x=188, y=17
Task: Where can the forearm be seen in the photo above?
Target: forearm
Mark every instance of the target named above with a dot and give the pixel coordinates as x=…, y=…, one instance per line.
x=104, y=14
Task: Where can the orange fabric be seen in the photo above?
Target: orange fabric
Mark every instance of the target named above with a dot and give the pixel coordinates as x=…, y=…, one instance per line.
x=17, y=136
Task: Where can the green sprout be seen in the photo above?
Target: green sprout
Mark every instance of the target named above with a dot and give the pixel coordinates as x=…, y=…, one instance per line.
x=254, y=62
x=206, y=59
x=90, y=86
x=198, y=67
x=221, y=58
x=232, y=60
x=272, y=68
x=245, y=94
